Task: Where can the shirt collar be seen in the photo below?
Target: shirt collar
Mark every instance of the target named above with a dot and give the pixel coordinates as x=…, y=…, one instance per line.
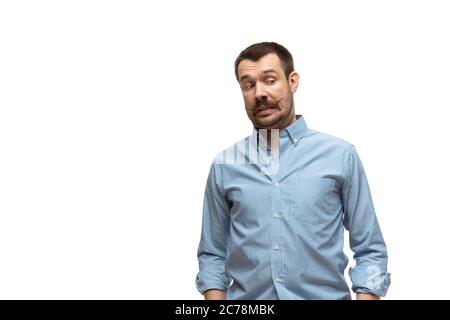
x=295, y=131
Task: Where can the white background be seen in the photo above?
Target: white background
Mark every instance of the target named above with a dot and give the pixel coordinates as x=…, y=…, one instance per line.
x=112, y=111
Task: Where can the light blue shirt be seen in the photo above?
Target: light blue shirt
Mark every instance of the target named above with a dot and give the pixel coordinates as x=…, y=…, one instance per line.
x=279, y=233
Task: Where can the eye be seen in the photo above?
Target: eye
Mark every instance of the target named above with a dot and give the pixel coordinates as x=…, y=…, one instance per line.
x=248, y=85
x=271, y=81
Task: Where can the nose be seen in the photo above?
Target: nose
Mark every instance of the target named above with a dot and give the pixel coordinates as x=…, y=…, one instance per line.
x=260, y=93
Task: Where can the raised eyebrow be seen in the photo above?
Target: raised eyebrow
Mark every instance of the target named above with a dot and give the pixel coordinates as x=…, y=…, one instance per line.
x=269, y=71
x=245, y=77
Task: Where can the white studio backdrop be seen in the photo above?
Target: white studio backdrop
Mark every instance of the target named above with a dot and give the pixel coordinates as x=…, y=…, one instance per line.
x=112, y=111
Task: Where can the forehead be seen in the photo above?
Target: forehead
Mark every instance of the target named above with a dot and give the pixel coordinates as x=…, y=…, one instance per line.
x=267, y=62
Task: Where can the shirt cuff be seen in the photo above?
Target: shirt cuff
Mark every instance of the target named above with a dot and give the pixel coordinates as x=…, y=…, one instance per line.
x=205, y=282
x=370, y=280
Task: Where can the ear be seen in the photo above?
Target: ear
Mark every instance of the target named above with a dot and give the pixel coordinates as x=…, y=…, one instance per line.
x=294, y=79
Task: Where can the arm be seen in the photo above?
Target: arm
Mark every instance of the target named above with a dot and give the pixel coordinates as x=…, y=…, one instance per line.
x=214, y=239
x=369, y=277
x=214, y=294
x=366, y=296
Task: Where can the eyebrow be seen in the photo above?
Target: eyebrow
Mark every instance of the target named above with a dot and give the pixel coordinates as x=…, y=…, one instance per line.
x=269, y=71
x=264, y=71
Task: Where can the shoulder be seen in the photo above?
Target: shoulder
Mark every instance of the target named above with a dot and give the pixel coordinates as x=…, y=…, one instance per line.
x=228, y=155
x=327, y=141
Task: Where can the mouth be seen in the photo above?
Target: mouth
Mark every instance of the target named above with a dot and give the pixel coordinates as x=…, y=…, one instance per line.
x=265, y=110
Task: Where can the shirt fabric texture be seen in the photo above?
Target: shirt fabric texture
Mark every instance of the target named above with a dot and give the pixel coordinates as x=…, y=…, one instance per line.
x=279, y=234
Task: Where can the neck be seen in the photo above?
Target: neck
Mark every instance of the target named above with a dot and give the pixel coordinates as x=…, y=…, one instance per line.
x=285, y=124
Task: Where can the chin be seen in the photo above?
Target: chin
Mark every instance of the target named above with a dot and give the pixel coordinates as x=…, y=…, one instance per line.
x=268, y=121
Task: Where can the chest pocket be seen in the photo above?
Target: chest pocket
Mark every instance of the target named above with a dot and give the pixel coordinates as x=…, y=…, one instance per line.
x=311, y=199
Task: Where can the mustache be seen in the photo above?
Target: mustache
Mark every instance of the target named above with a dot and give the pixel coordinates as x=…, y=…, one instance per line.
x=262, y=104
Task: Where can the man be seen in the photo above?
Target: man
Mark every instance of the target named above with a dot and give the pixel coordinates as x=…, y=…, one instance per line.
x=273, y=221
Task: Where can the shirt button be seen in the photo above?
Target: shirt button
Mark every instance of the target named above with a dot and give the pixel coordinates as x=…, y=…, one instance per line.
x=276, y=215
x=277, y=184
x=276, y=247
x=279, y=279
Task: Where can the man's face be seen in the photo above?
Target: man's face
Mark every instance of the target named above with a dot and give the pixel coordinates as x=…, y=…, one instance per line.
x=268, y=95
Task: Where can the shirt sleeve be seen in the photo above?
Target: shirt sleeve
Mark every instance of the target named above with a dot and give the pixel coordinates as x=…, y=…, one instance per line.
x=215, y=234
x=366, y=240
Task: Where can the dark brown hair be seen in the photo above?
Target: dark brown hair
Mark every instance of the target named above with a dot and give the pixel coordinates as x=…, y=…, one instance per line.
x=258, y=50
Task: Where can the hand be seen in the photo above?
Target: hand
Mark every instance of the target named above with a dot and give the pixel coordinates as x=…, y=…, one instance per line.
x=366, y=296
x=214, y=294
